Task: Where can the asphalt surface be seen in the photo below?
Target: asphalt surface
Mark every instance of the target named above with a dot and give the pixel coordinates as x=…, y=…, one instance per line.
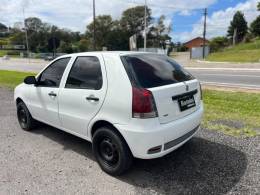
x=217, y=74
x=26, y=65
x=228, y=77
x=49, y=161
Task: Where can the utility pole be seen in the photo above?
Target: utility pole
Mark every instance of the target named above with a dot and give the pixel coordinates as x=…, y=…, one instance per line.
x=94, y=25
x=204, y=32
x=26, y=37
x=145, y=23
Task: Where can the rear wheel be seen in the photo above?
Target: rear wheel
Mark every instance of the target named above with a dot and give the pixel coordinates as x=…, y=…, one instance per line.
x=24, y=117
x=111, y=151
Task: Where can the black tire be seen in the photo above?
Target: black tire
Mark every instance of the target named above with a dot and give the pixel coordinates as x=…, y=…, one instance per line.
x=111, y=151
x=24, y=117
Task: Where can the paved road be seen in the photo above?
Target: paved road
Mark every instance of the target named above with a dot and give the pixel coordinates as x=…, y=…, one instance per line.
x=17, y=64
x=237, y=76
x=49, y=161
x=229, y=78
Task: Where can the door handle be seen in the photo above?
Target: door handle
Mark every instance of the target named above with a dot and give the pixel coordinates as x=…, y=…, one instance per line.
x=52, y=94
x=93, y=98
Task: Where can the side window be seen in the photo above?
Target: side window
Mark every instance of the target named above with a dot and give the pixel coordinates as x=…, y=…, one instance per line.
x=85, y=74
x=51, y=76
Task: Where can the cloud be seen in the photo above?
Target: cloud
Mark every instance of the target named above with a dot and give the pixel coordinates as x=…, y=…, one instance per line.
x=76, y=14
x=219, y=21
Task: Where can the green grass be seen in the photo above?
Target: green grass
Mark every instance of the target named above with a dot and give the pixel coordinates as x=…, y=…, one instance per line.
x=3, y=52
x=224, y=110
x=11, y=79
x=244, y=52
x=8, y=52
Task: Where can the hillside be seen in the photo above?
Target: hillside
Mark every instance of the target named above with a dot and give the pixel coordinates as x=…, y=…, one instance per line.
x=244, y=52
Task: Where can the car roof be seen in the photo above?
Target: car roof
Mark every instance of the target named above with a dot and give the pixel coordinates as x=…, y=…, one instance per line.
x=107, y=52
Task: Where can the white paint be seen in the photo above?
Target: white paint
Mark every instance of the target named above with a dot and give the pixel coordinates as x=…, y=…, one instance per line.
x=232, y=85
x=70, y=112
x=232, y=75
x=230, y=69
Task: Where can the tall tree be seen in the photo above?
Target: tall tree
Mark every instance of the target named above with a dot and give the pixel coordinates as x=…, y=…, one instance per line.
x=33, y=24
x=103, y=26
x=159, y=31
x=258, y=6
x=238, y=24
x=133, y=19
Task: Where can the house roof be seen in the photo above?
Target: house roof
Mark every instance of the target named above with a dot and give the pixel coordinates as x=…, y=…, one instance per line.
x=194, y=40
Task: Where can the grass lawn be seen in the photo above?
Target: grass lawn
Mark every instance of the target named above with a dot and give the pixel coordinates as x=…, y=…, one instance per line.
x=233, y=113
x=235, y=56
x=244, y=52
x=11, y=79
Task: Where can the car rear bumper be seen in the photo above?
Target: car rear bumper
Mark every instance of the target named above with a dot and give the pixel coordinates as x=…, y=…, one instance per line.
x=149, y=139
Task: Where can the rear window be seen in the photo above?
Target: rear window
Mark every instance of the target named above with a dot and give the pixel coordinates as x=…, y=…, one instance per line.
x=151, y=70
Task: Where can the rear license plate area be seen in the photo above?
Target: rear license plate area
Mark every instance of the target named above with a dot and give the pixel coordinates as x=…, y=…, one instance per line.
x=186, y=102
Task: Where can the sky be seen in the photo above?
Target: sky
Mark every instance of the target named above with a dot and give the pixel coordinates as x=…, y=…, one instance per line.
x=184, y=16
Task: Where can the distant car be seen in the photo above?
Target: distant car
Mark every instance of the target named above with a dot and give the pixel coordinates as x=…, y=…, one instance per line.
x=128, y=104
x=49, y=58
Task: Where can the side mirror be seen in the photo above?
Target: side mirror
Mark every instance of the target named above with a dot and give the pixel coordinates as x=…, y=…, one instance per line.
x=30, y=80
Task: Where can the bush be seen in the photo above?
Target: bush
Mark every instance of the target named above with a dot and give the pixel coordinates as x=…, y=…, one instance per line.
x=3, y=42
x=248, y=38
x=13, y=53
x=218, y=43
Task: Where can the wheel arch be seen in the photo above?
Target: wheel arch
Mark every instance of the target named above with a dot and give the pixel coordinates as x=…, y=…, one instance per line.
x=18, y=100
x=104, y=123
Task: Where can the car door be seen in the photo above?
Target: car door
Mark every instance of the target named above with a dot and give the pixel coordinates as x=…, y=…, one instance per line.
x=44, y=95
x=83, y=93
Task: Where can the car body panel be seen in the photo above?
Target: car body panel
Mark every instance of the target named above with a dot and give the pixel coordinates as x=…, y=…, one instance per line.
x=71, y=112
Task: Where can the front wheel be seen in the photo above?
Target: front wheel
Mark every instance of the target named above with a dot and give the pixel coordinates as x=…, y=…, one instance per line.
x=24, y=117
x=111, y=151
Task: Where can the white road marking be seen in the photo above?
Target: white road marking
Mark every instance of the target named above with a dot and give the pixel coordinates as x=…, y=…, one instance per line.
x=231, y=69
x=231, y=75
x=232, y=85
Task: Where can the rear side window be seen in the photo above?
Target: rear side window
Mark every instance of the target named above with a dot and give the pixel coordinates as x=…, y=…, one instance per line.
x=52, y=75
x=85, y=74
x=151, y=70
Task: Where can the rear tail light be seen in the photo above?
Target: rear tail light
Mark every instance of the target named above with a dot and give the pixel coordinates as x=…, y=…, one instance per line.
x=143, y=104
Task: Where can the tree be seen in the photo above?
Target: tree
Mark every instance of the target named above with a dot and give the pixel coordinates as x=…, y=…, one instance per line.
x=33, y=24
x=18, y=38
x=103, y=26
x=218, y=43
x=159, y=32
x=133, y=19
x=65, y=47
x=258, y=6
x=255, y=26
x=3, y=27
x=83, y=45
x=239, y=25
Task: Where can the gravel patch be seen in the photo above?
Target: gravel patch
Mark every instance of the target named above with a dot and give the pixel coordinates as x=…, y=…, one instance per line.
x=229, y=123
x=49, y=161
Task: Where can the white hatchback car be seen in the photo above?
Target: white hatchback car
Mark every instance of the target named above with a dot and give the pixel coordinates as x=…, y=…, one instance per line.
x=128, y=104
